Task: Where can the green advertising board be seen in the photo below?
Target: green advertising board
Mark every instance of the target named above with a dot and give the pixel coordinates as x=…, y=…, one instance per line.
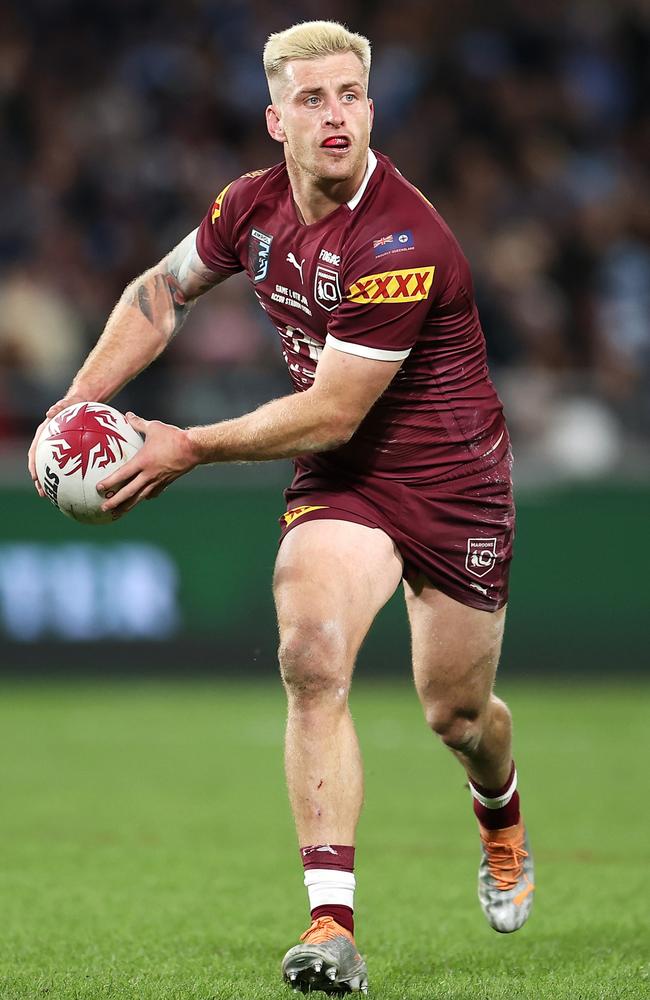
x=184, y=583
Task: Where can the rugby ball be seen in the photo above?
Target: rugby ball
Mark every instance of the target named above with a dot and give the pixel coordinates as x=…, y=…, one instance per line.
x=79, y=447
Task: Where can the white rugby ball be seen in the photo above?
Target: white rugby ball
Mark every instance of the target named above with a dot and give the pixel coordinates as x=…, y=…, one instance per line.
x=79, y=447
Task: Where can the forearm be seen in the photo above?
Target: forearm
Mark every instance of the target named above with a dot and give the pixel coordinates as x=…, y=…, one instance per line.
x=151, y=310
x=283, y=428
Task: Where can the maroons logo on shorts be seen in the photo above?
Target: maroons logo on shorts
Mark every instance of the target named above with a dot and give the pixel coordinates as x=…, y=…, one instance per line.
x=481, y=555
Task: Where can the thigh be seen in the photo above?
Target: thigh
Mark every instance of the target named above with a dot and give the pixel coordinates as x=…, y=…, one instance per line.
x=331, y=578
x=455, y=647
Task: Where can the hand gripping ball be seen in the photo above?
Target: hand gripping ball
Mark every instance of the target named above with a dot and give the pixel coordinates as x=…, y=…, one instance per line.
x=79, y=447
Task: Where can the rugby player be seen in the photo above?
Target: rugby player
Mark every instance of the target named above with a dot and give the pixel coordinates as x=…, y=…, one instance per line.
x=402, y=464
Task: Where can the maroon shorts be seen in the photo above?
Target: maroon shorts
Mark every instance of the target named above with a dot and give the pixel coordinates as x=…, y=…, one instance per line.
x=457, y=533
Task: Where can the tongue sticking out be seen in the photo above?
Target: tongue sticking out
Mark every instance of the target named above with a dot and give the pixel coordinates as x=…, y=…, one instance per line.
x=336, y=142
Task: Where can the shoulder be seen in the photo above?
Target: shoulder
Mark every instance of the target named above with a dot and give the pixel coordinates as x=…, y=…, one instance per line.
x=243, y=193
x=398, y=240
x=397, y=216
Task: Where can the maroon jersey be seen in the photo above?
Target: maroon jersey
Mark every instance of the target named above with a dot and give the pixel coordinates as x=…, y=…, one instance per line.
x=381, y=277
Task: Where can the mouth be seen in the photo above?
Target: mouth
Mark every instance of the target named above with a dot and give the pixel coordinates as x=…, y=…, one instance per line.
x=337, y=143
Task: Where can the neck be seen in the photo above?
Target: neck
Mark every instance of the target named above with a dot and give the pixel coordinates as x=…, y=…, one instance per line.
x=315, y=198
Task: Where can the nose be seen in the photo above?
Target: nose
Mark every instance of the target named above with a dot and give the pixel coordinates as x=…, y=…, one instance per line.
x=333, y=114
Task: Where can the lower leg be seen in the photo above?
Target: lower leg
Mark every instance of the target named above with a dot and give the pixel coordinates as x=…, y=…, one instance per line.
x=326, y=600
x=323, y=768
x=484, y=748
x=325, y=783
x=455, y=655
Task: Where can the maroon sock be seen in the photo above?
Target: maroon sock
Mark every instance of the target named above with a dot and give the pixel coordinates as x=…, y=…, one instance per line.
x=491, y=814
x=339, y=857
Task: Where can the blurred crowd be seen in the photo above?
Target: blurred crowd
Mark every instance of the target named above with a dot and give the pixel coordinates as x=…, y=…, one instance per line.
x=526, y=123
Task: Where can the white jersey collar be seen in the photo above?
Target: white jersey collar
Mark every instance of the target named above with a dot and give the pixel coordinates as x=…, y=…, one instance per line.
x=372, y=163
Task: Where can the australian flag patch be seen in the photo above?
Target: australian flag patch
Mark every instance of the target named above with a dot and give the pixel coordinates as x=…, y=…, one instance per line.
x=393, y=243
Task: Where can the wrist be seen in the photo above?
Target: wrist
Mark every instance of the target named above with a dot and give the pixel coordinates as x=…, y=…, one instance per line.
x=196, y=445
x=84, y=393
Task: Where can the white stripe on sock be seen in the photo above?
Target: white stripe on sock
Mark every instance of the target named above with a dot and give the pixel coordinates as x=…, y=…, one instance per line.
x=501, y=800
x=328, y=885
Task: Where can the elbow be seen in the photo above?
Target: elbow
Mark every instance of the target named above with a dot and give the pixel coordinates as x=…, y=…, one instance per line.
x=332, y=421
x=339, y=432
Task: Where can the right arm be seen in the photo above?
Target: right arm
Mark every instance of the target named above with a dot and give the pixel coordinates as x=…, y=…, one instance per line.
x=151, y=311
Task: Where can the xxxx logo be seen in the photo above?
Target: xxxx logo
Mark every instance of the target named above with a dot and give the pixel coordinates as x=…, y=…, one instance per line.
x=408, y=285
x=292, y=515
x=218, y=201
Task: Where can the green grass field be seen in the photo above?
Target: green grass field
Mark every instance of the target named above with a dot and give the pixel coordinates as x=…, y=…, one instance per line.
x=146, y=849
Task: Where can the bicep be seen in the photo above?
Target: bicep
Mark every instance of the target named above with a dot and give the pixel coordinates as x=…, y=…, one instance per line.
x=166, y=292
x=350, y=383
x=190, y=275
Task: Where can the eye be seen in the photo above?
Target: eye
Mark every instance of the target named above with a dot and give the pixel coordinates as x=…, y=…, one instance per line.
x=312, y=101
x=349, y=98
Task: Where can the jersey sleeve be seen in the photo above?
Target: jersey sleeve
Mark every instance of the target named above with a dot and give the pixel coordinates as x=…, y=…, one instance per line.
x=215, y=240
x=386, y=299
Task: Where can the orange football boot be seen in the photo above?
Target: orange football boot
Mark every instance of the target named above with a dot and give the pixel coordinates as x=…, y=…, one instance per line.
x=326, y=959
x=505, y=877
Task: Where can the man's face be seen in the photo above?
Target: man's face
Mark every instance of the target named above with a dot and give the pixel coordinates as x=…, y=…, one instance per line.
x=322, y=114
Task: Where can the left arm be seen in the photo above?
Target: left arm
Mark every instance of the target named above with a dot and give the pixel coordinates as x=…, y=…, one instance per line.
x=323, y=417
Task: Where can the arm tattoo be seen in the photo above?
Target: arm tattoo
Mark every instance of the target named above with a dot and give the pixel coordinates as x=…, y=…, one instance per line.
x=166, y=294
x=144, y=302
x=191, y=276
x=161, y=301
x=179, y=304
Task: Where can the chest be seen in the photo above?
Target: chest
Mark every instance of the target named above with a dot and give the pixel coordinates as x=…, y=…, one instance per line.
x=295, y=271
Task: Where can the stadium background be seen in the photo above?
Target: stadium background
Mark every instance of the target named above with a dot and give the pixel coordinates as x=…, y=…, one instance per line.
x=526, y=124
x=146, y=849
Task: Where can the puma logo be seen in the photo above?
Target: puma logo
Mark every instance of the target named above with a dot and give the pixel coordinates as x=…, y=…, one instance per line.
x=291, y=259
x=526, y=891
x=321, y=848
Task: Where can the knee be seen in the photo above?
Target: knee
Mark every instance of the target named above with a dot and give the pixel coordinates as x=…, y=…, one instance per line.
x=313, y=663
x=459, y=725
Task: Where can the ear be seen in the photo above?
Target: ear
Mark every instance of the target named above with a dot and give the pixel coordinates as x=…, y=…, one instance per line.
x=274, y=124
x=372, y=112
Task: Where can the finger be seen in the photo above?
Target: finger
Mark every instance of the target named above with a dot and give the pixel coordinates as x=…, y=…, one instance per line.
x=57, y=407
x=138, y=423
x=131, y=491
x=149, y=492
x=120, y=477
x=31, y=454
x=129, y=504
x=31, y=458
x=155, y=491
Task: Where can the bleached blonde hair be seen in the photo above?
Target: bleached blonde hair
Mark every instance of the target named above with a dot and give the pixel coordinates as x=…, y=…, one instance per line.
x=312, y=40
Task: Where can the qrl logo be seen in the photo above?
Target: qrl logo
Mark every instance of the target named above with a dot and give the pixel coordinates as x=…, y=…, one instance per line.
x=259, y=254
x=327, y=291
x=481, y=555
x=393, y=286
